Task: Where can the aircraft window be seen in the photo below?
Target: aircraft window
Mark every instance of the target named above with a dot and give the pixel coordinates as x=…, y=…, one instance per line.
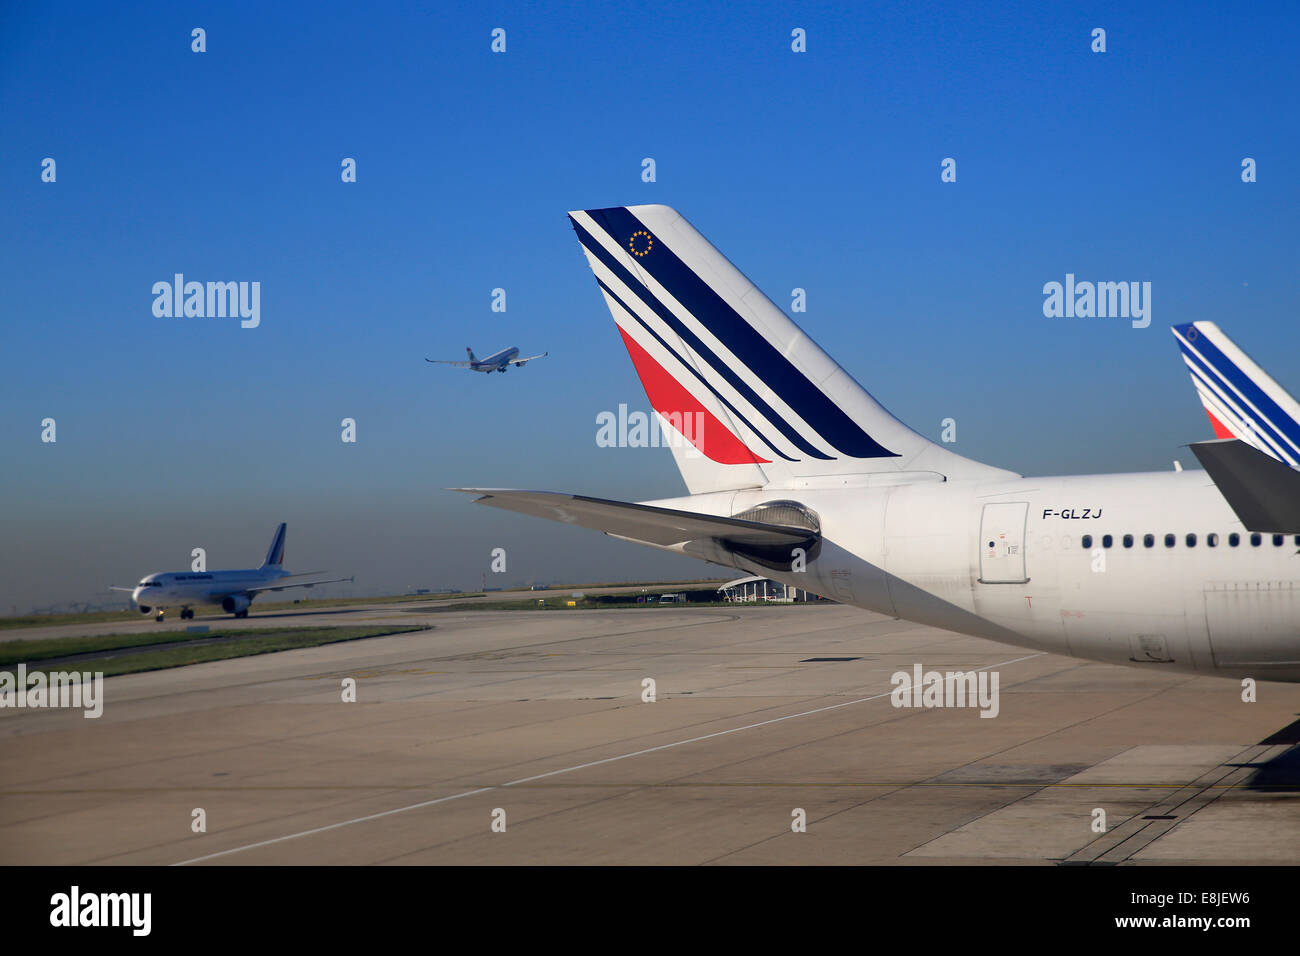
x=1277, y=540
x=1191, y=540
x=1148, y=541
x=1128, y=541
x=1234, y=539
x=1255, y=540
x=1107, y=541
x=1169, y=541
x=1087, y=541
x=1212, y=540
x=1297, y=540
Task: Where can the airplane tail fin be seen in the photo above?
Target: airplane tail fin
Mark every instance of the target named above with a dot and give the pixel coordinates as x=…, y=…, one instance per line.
x=1241, y=399
x=743, y=397
x=275, y=555
x=470, y=353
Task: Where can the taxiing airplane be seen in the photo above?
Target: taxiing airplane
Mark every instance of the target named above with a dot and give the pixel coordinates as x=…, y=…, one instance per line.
x=796, y=473
x=496, y=362
x=233, y=591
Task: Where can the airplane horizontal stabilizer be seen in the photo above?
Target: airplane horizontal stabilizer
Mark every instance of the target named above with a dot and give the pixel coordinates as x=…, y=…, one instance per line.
x=645, y=523
x=1264, y=493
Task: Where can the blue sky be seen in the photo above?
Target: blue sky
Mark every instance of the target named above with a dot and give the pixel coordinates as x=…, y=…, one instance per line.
x=818, y=170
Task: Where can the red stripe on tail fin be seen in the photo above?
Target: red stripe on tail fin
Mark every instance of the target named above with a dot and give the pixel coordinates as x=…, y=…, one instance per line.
x=1220, y=430
x=670, y=399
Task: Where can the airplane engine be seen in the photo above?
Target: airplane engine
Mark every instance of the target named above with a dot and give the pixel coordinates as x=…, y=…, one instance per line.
x=235, y=604
x=144, y=608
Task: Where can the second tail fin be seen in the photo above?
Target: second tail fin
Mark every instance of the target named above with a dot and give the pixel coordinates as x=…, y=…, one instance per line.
x=275, y=554
x=1241, y=399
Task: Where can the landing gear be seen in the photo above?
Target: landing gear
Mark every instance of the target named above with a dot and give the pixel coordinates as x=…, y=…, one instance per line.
x=186, y=614
x=241, y=614
x=160, y=615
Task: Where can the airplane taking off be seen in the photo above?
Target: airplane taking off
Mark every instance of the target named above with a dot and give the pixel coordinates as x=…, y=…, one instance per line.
x=496, y=362
x=796, y=473
x=234, y=591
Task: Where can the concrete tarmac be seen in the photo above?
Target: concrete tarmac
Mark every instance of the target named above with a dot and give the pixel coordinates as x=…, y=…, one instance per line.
x=535, y=722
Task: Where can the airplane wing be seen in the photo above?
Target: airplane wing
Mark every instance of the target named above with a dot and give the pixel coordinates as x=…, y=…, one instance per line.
x=448, y=362
x=529, y=358
x=287, y=583
x=644, y=523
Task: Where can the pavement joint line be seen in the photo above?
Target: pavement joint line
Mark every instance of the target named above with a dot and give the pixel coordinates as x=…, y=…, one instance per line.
x=1139, y=831
x=1198, y=798
x=564, y=770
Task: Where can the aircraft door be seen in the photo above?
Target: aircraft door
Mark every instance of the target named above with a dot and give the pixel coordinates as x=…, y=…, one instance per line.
x=1002, y=542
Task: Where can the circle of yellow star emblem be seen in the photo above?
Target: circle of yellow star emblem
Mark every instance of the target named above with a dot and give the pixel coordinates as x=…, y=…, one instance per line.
x=632, y=243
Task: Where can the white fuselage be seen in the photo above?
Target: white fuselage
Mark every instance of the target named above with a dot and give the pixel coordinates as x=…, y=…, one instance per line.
x=1007, y=559
x=196, y=588
x=496, y=362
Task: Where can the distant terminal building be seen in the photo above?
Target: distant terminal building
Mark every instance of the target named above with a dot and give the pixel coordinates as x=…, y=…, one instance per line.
x=756, y=588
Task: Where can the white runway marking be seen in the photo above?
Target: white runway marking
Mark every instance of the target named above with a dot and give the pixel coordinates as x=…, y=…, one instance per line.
x=555, y=773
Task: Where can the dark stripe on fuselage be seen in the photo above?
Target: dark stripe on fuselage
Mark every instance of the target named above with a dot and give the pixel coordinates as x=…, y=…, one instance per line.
x=592, y=245
x=742, y=339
